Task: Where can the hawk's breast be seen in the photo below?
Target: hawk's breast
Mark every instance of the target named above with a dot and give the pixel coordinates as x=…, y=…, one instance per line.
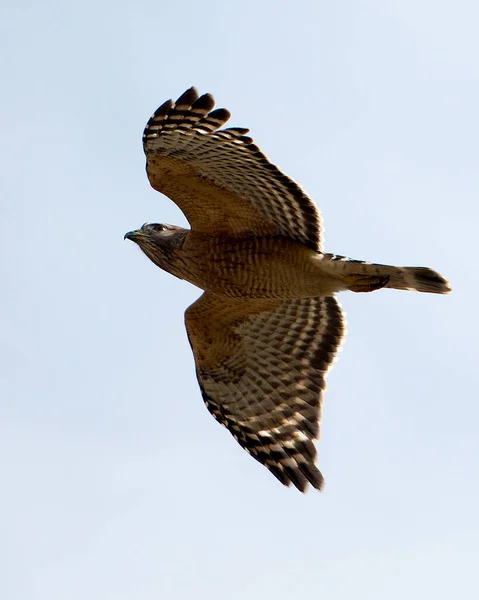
x=264, y=267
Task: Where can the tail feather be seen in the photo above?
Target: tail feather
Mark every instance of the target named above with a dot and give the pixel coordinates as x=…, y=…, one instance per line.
x=420, y=279
x=360, y=276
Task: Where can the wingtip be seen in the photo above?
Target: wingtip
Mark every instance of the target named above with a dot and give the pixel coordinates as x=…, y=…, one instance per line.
x=204, y=103
x=188, y=97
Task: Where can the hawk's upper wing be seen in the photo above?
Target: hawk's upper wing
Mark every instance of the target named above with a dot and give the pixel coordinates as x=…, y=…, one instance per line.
x=261, y=366
x=221, y=181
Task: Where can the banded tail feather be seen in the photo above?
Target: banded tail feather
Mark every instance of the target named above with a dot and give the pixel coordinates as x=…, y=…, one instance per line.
x=360, y=276
x=419, y=279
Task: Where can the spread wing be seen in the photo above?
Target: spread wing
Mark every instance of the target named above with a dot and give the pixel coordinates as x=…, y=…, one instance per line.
x=219, y=178
x=261, y=366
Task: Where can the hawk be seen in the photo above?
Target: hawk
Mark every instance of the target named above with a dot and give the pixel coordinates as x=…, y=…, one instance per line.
x=268, y=326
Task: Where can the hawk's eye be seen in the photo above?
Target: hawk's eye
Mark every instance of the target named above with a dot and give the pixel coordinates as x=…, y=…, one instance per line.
x=156, y=226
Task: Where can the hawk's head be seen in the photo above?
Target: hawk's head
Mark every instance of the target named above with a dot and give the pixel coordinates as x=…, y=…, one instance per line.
x=158, y=241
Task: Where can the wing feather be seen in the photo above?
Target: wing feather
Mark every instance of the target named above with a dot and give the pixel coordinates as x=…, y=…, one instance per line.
x=261, y=366
x=219, y=178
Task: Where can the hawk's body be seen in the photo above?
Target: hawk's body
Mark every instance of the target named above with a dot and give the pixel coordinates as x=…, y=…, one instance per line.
x=268, y=327
x=258, y=267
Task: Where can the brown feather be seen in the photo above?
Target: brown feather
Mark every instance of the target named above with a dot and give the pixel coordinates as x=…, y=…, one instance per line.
x=220, y=179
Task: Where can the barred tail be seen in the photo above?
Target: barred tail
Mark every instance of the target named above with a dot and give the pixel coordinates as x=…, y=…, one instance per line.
x=360, y=276
x=420, y=279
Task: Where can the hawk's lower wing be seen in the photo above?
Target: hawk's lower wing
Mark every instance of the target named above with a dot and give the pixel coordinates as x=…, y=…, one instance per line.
x=261, y=366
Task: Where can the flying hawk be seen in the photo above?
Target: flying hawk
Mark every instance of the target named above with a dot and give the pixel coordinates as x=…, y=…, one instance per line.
x=268, y=326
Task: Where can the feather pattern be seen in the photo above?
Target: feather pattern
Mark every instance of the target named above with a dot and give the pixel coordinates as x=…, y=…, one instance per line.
x=220, y=178
x=261, y=366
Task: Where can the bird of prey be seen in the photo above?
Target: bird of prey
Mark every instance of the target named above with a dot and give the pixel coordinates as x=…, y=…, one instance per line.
x=268, y=326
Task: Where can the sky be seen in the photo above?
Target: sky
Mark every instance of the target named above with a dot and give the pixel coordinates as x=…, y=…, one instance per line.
x=115, y=482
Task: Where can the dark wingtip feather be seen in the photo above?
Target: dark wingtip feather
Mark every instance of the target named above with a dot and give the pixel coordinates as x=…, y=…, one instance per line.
x=238, y=130
x=206, y=102
x=301, y=477
x=191, y=112
x=314, y=476
x=220, y=114
x=163, y=110
x=188, y=98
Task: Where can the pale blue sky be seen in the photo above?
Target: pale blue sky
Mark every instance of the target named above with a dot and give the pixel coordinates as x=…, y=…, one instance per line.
x=116, y=483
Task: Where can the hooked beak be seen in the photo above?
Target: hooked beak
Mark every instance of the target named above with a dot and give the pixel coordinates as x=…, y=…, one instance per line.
x=133, y=235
